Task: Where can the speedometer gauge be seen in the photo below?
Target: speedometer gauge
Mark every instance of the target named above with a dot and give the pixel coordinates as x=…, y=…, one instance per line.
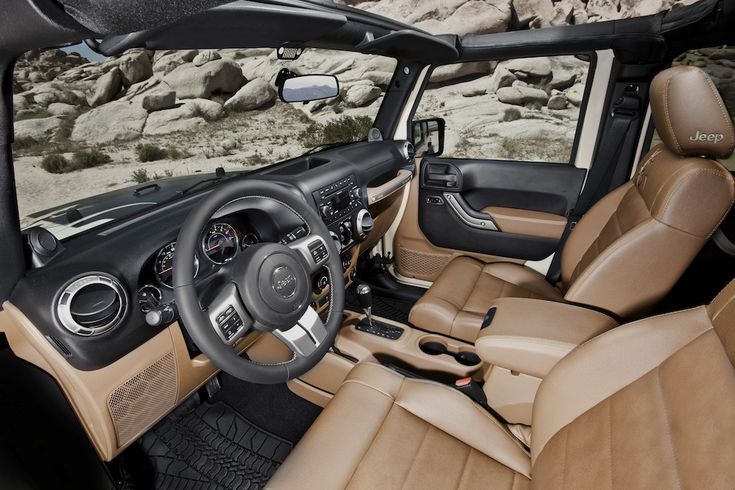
x=164, y=265
x=248, y=240
x=220, y=243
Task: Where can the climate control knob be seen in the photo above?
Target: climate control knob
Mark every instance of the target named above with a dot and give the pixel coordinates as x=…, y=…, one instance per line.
x=345, y=233
x=363, y=224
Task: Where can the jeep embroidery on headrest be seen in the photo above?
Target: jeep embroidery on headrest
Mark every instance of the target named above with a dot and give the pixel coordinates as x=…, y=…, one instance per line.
x=707, y=137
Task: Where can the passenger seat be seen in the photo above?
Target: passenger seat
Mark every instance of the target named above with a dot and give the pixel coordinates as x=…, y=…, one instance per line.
x=629, y=249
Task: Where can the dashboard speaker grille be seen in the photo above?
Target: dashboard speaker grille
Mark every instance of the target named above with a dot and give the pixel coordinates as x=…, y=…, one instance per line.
x=420, y=265
x=143, y=399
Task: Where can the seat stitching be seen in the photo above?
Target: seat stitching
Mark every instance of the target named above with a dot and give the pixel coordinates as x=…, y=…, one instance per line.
x=357, y=381
x=564, y=460
x=668, y=423
x=418, y=451
x=723, y=111
x=610, y=448
x=668, y=116
x=464, y=466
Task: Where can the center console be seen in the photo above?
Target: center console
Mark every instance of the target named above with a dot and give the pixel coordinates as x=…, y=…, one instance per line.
x=342, y=207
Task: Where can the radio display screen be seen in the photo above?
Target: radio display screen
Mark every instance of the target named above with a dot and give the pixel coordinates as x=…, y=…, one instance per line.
x=341, y=200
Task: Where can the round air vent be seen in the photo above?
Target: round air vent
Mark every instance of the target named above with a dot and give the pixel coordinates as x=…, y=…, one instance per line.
x=409, y=152
x=92, y=304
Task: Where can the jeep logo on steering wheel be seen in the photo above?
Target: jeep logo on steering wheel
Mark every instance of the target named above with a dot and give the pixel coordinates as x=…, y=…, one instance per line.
x=284, y=282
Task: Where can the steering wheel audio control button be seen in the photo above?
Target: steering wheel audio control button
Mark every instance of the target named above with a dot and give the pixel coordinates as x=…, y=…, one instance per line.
x=314, y=250
x=228, y=316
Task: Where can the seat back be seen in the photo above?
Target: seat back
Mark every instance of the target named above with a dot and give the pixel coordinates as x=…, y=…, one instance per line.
x=647, y=405
x=632, y=246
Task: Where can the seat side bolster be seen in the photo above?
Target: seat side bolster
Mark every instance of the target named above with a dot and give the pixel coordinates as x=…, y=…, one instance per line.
x=606, y=364
x=469, y=423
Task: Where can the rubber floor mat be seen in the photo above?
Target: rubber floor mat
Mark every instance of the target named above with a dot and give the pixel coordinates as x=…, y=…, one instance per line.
x=390, y=308
x=212, y=447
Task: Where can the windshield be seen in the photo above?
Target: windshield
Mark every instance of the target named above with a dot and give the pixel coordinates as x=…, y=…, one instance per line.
x=99, y=139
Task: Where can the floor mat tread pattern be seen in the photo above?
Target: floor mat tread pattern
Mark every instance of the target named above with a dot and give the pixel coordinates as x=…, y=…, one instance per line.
x=212, y=447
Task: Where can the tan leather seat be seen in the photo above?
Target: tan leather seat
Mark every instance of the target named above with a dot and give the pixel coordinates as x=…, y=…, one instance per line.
x=646, y=405
x=634, y=244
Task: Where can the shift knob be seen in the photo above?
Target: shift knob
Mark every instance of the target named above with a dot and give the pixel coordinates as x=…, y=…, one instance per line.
x=365, y=297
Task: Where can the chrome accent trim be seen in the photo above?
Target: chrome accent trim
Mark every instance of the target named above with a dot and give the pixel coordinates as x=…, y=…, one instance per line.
x=358, y=222
x=481, y=224
x=306, y=336
x=66, y=296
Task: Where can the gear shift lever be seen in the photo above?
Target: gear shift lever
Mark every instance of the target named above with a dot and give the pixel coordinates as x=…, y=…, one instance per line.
x=365, y=297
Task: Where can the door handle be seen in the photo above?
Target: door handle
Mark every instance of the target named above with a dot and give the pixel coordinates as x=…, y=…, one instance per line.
x=481, y=221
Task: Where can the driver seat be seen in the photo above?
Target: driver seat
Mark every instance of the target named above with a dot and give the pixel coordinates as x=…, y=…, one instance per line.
x=647, y=405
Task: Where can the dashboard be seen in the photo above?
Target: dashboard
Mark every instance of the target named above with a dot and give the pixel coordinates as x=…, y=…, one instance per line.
x=126, y=266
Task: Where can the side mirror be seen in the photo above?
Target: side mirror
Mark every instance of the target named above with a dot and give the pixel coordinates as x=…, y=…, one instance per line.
x=428, y=137
x=305, y=88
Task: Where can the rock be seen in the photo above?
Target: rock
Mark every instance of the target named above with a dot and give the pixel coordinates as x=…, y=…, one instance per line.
x=575, y=94
x=205, y=57
x=229, y=144
x=528, y=11
x=20, y=103
x=166, y=61
x=522, y=95
x=639, y=8
x=557, y=102
x=524, y=68
x=200, y=82
x=361, y=95
x=475, y=87
x=254, y=95
x=135, y=67
x=562, y=79
x=604, y=9
x=182, y=118
x=106, y=88
x=208, y=109
x=110, y=122
x=719, y=53
x=456, y=71
x=61, y=109
x=501, y=78
x=41, y=129
x=563, y=13
x=380, y=78
x=36, y=77
x=159, y=101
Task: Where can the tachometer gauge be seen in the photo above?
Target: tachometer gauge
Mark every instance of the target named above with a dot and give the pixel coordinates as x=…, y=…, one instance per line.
x=149, y=297
x=249, y=239
x=220, y=243
x=165, y=265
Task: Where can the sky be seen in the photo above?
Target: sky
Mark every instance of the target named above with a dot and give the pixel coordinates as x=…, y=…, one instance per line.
x=84, y=50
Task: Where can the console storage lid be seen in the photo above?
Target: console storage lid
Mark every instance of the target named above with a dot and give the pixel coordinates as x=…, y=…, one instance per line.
x=530, y=335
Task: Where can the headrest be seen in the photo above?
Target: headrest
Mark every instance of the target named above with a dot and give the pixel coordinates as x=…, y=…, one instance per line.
x=690, y=115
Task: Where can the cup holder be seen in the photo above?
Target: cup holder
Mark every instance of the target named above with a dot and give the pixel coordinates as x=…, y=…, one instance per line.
x=436, y=348
x=433, y=348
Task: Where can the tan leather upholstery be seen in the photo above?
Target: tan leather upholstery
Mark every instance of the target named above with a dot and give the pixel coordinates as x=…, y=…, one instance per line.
x=632, y=246
x=384, y=431
x=527, y=222
x=689, y=114
x=646, y=405
x=457, y=303
x=530, y=336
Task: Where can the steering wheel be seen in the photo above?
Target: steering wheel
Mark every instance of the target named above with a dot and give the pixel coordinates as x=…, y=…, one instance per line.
x=266, y=288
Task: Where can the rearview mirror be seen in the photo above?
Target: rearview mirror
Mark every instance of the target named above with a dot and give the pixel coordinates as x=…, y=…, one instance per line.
x=428, y=137
x=305, y=88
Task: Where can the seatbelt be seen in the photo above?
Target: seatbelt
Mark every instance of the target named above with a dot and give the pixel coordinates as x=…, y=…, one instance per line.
x=625, y=111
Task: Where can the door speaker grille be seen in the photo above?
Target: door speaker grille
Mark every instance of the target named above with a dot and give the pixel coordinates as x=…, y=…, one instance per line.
x=144, y=398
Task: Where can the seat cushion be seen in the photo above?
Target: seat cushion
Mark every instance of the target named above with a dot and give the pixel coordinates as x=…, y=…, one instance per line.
x=382, y=430
x=457, y=302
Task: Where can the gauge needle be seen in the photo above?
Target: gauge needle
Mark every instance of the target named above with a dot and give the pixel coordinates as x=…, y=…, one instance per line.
x=163, y=271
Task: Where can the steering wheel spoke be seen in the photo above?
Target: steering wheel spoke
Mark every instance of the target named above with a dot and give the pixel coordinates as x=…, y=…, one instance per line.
x=313, y=249
x=228, y=315
x=306, y=336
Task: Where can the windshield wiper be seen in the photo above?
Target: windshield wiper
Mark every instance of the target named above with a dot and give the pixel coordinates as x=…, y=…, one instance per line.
x=219, y=175
x=325, y=146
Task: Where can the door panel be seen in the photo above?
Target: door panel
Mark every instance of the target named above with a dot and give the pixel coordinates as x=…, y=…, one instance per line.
x=457, y=199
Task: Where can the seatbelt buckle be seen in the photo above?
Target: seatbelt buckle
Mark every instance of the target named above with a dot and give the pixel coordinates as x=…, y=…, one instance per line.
x=472, y=389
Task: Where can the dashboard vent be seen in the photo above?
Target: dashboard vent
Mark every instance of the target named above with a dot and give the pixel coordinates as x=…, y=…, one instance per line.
x=409, y=151
x=92, y=305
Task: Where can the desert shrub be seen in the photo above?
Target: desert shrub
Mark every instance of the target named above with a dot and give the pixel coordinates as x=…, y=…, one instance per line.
x=176, y=153
x=140, y=176
x=344, y=129
x=55, y=163
x=148, y=152
x=511, y=114
x=24, y=143
x=89, y=158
